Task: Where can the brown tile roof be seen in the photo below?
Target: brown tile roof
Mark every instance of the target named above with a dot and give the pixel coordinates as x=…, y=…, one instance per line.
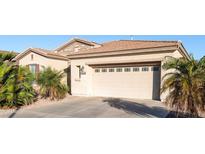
x=127, y=45
x=49, y=53
x=43, y=52
x=77, y=40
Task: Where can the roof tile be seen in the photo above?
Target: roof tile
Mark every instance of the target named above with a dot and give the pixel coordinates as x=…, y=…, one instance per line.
x=127, y=45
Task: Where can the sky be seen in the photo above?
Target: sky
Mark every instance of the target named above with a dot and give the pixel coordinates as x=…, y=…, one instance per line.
x=194, y=44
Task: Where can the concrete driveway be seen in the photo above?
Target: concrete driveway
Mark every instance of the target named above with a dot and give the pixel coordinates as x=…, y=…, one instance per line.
x=90, y=107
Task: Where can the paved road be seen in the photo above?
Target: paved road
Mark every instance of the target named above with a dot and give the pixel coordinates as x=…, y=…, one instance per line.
x=90, y=107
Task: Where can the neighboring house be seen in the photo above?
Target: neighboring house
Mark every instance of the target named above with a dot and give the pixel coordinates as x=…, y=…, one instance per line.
x=124, y=68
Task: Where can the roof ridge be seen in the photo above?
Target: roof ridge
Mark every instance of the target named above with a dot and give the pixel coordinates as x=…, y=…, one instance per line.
x=48, y=52
x=109, y=41
x=42, y=52
x=80, y=39
x=91, y=43
x=122, y=45
x=166, y=41
x=41, y=49
x=152, y=41
x=171, y=41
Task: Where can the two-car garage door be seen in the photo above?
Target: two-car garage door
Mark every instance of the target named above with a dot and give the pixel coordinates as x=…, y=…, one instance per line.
x=131, y=81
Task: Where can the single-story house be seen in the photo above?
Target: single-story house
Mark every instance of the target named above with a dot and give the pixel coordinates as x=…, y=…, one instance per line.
x=123, y=68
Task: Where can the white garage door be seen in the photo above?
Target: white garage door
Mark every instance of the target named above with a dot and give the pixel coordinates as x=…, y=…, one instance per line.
x=129, y=82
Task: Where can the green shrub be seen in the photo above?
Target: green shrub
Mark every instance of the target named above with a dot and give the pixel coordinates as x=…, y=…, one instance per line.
x=15, y=86
x=50, y=84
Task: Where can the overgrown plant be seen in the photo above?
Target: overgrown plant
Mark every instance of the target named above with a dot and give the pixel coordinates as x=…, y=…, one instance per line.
x=50, y=84
x=15, y=86
x=185, y=84
x=6, y=57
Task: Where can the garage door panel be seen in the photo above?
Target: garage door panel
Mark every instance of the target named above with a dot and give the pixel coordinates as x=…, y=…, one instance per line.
x=127, y=84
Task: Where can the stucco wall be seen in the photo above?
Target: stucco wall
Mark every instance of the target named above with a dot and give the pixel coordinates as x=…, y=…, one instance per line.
x=84, y=85
x=175, y=54
x=60, y=65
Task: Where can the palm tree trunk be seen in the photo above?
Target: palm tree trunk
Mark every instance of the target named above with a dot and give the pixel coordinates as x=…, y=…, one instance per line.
x=192, y=110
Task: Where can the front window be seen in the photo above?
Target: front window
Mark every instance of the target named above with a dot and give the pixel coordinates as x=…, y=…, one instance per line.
x=35, y=69
x=32, y=68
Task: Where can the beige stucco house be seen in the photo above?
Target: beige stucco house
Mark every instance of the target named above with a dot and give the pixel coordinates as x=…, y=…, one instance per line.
x=124, y=68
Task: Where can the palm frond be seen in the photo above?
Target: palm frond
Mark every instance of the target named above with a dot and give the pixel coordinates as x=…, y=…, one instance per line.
x=185, y=82
x=50, y=84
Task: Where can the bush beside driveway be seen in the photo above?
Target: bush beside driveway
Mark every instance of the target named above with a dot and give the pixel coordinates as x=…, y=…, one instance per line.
x=89, y=107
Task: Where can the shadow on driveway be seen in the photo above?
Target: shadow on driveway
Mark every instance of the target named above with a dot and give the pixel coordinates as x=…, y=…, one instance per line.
x=14, y=113
x=137, y=108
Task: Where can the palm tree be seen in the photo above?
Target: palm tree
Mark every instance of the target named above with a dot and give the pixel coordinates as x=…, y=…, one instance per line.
x=6, y=57
x=15, y=86
x=24, y=91
x=185, y=85
x=50, y=84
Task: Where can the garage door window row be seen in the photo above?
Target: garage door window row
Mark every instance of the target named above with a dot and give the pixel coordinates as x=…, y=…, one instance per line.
x=127, y=69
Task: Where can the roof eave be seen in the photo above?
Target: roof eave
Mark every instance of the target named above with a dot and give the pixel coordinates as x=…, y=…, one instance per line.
x=184, y=51
x=21, y=54
x=122, y=52
x=39, y=53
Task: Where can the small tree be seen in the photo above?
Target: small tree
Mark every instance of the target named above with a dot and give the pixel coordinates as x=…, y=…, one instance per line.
x=185, y=86
x=50, y=84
